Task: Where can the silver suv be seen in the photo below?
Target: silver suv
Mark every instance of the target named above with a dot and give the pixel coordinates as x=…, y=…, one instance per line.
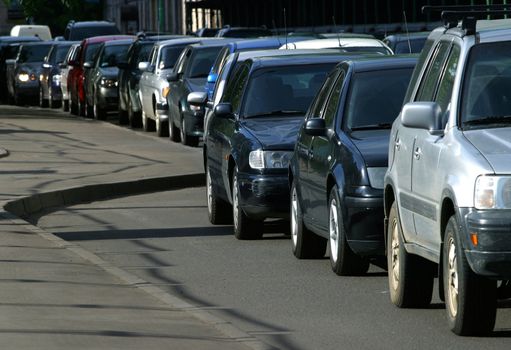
x=448, y=184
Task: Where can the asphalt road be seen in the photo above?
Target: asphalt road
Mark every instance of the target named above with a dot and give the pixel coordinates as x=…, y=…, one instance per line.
x=166, y=239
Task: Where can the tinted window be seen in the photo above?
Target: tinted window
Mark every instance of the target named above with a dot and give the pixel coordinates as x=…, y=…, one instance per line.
x=417, y=70
x=169, y=56
x=376, y=97
x=404, y=46
x=431, y=78
x=487, y=86
x=61, y=53
x=78, y=33
x=236, y=86
x=140, y=53
x=91, y=51
x=319, y=101
x=113, y=54
x=201, y=62
x=33, y=53
x=444, y=93
x=286, y=88
x=333, y=102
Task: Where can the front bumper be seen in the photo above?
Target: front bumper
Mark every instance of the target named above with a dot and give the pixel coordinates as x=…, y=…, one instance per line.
x=492, y=255
x=194, y=122
x=264, y=196
x=108, y=98
x=364, y=222
x=27, y=89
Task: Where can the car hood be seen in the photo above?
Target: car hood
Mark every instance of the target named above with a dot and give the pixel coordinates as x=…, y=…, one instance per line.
x=32, y=67
x=274, y=133
x=373, y=145
x=494, y=145
x=196, y=84
x=109, y=72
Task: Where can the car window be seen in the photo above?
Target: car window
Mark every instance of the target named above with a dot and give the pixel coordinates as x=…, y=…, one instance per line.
x=201, y=61
x=333, y=102
x=35, y=53
x=319, y=101
x=235, y=87
x=430, y=80
x=287, y=89
x=181, y=61
x=111, y=55
x=221, y=81
x=91, y=51
x=51, y=54
x=443, y=97
x=87, y=32
x=417, y=70
x=404, y=46
x=152, y=56
x=61, y=52
x=375, y=98
x=169, y=56
x=219, y=59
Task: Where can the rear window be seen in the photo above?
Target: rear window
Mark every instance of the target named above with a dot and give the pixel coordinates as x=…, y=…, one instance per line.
x=33, y=53
x=169, y=56
x=80, y=33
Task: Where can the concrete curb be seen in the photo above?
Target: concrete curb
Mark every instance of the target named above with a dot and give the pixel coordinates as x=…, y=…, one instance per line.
x=3, y=152
x=28, y=207
x=36, y=205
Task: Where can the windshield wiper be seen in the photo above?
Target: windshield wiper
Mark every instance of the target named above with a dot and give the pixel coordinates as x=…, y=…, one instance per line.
x=493, y=119
x=276, y=112
x=372, y=127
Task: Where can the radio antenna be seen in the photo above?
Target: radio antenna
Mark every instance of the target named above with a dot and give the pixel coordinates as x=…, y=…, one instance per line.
x=338, y=34
x=285, y=26
x=407, y=32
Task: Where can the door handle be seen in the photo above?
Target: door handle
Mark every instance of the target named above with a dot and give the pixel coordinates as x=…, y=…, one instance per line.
x=417, y=153
x=397, y=144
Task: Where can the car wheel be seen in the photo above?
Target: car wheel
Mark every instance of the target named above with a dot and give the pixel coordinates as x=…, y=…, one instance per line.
x=219, y=211
x=410, y=276
x=42, y=101
x=98, y=111
x=73, y=108
x=343, y=260
x=65, y=105
x=173, y=131
x=89, y=110
x=133, y=117
x=306, y=244
x=187, y=140
x=123, y=116
x=51, y=101
x=470, y=300
x=244, y=227
x=147, y=123
x=161, y=128
x=81, y=108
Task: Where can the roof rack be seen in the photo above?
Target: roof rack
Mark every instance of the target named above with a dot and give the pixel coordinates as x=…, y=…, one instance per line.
x=467, y=14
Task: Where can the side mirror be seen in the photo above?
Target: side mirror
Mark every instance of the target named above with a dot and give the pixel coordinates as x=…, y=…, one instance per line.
x=223, y=110
x=87, y=65
x=172, y=77
x=143, y=66
x=315, y=127
x=10, y=61
x=47, y=65
x=197, y=99
x=423, y=115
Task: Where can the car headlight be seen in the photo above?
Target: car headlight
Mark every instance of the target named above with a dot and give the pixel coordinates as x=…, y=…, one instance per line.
x=376, y=176
x=493, y=192
x=108, y=83
x=260, y=159
x=24, y=77
x=56, y=79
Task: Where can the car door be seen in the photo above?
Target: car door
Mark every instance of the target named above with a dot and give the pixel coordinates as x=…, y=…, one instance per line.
x=427, y=171
x=303, y=145
x=145, y=80
x=174, y=94
x=320, y=155
x=404, y=144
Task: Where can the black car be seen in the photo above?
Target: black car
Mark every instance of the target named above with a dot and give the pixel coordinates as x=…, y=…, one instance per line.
x=85, y=29
x=50, y=93
x=101, y=84
x=23, y=79
x=189, y=75
x=401, y=43
x=129, y=77
x=251, y=136
x=337, y=169
x=8, y=50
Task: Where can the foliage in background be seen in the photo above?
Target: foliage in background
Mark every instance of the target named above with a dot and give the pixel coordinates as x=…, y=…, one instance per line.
x=57, y=13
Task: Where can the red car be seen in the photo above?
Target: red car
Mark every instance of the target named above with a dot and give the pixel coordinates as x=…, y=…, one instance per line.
x=76, y=77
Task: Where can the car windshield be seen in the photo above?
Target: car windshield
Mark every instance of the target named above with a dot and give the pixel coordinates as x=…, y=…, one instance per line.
x=61, y=53
x=375, y=98
x=141, y=53
x=201, y=61
x=169, y=56
x=87, y=32
x=486, y=100
x=286, y=90
x=35, y=53
x=113, y=54
x=246, y=33
x=91, y=51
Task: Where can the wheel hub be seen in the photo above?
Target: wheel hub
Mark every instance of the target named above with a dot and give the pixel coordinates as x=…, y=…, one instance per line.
x=294, y=217
x=452, y=277
x=334, y=231
x=395, y=256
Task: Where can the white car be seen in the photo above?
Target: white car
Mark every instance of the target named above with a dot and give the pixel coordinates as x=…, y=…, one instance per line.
x=346, y=44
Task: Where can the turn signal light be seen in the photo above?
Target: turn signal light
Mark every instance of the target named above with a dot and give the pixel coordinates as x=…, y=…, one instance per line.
x=474, y=239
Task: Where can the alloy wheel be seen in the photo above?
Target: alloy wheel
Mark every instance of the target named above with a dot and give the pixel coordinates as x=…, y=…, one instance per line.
x=294, y=217
x=394, y=268
x=334, y=231
x=452, y=278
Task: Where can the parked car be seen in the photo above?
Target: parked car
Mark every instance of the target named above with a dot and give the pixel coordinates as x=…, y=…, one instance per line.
x=243, y=32
x=23, y=78
x=65, y=68
x=130, y=110
x=346, y=44
x=101, y=84
x=189, y=75
x=75, y=80
x=153, y=85
x=251, y=136
x=447, y=187
x=336, y=172
x=76, y=31
x=206, y=32
x=8, y=50
x=41, y=31
x=406, y=42
x=50, y=78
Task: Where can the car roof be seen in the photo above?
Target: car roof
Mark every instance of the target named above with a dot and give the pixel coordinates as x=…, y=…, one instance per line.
x=371, y=63
x=14, y=39
x=90, y=24
x=337, y=42
x=263, y=42
x=405, y=36
x=299, y=59
x=176, y=42
x=119, y=42
x=103, y=38
x=38, y=43
x=276, y=52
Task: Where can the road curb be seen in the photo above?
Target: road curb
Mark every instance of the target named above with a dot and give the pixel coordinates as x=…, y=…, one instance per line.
x=37, y=204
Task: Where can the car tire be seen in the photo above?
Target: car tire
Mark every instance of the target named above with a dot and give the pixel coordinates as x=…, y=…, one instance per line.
x=305, y=244
x=89, y=110
x=73, y=108
x=245, y=228
x=134, y=118
x=123, y=116
x=410, y=277
x=219, y=211
x=187, y=140
x=343, y=260
x=173, y=131
x=81, y=108
x=98, y=111
x=65, y=105
x=43, y=102
x=161, y=128
x=470, y=300
x=51, y=101
x=147, y=123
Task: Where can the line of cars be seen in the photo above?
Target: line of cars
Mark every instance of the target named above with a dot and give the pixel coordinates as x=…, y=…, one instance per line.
x=306, y=130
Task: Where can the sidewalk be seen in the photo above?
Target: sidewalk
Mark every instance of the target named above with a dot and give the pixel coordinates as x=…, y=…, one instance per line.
x=56, y=295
